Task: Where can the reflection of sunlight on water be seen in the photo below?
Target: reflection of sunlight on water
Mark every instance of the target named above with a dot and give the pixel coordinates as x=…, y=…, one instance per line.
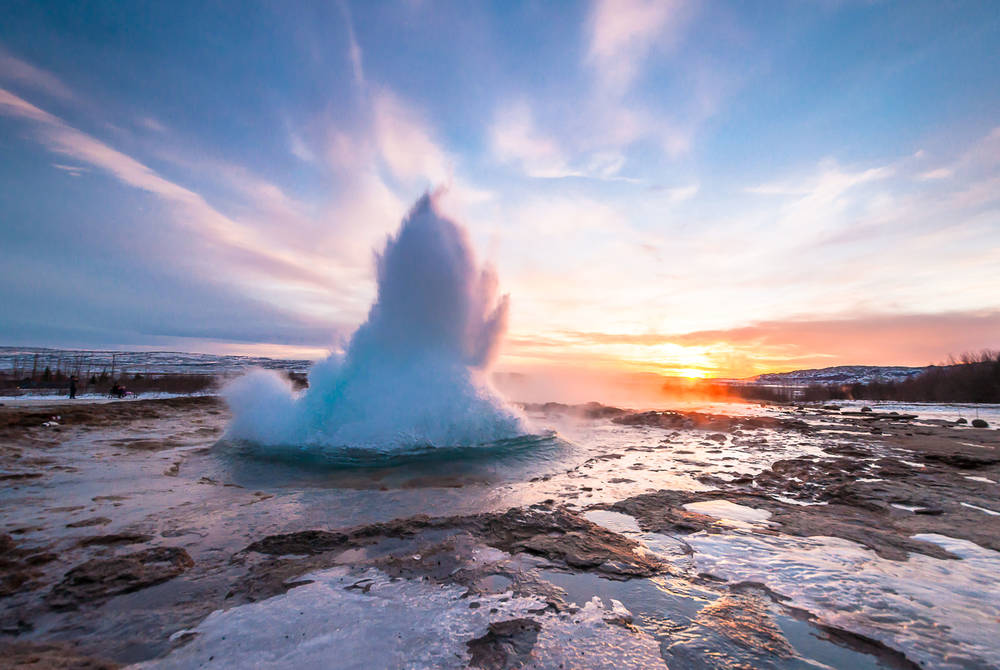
x=909, y=605
x=931, y=609
x=679, y=613
x=731, y=513
x=926, y=410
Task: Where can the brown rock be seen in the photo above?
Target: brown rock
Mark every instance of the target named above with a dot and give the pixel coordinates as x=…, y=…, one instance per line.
x=102, y=578
x=95, y=521
x=506, y=645
x=307, y=542
x=963, y=461
x=45, y=656
x=114, y=539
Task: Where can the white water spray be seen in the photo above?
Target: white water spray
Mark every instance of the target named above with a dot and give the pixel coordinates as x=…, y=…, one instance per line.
x=414, y=374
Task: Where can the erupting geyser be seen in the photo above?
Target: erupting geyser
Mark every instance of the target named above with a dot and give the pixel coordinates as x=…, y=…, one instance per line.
x=414, y=374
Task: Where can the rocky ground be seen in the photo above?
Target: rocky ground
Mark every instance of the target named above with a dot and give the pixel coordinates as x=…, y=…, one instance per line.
x=903, y=480
x=123, y=529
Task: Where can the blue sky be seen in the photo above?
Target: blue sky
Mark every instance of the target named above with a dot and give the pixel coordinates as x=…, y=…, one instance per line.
x=703, y=186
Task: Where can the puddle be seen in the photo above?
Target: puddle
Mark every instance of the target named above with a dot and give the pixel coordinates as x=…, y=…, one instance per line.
x=728, y=511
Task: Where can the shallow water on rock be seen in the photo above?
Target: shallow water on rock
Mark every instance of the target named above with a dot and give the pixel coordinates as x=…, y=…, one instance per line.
x=730, y=595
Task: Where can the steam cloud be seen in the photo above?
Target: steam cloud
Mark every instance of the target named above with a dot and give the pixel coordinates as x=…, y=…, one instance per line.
x=414, y=374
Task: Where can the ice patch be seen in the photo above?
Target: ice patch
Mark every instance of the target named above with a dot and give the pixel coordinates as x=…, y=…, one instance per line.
x=907, y=508
x=981, y=509
x=800, y=503
x=940, y=613
x=953, y=545
x=370, y=620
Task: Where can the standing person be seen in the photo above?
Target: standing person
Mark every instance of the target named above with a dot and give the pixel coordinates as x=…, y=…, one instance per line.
x=72, y=387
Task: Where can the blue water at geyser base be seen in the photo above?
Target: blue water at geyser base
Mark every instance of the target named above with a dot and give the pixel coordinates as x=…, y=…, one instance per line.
x=412, y=382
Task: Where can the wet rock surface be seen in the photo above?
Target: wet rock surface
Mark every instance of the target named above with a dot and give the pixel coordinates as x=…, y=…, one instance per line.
x=663, y=512
x=558, y=535
x=709, y=422
x=20, y=566
x=590, y=410
x=567, y=538
x=235, y=540
x=306, y=542
x=507, y=645
x=34, y=656
x=869, y=493
x=115, y=539
x=96, y=580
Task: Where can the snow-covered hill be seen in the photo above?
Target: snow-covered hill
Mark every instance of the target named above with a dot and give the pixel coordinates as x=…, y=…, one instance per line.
x=841, y=374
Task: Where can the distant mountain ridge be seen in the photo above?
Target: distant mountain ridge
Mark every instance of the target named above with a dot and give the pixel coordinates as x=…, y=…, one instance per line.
x=25, y=359
x=842, y=374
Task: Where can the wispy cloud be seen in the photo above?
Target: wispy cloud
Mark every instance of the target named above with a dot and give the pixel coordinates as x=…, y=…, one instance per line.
x=938, y=173
x=353, y=48
x=73, y=170
x=827, y=184
x=813, y=206
x=14, y=70
x=619, y=38
x=622, y=33
x=514, y=139
x=150, y=123
x=12, y=105
x=982, y=156
x=682, y=193
x=195, y=213
x=405, y=144
x=298, y=147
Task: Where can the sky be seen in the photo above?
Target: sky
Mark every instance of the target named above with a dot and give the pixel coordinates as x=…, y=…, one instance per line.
x=678, y=187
